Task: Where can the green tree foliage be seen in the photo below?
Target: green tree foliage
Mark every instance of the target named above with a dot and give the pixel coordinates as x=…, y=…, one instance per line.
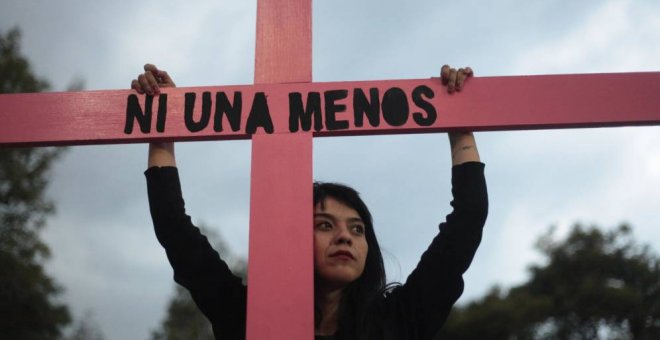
x=28, y=309
x=184, y=320
x=16, y=75
x=594, y=285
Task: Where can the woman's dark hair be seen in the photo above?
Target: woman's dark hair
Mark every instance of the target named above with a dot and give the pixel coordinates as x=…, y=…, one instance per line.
x=359, y=295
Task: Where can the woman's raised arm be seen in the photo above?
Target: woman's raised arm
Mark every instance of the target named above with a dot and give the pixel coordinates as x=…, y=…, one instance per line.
x=462, y=143
x=150, y=82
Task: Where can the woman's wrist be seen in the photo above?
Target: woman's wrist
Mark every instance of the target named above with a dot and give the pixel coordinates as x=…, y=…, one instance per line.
x=463, y=147
x=161, y=154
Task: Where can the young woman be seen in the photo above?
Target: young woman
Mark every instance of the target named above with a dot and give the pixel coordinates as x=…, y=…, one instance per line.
x=352, y=300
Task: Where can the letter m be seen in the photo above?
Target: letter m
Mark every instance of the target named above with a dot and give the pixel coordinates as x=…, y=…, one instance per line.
x=303, y=114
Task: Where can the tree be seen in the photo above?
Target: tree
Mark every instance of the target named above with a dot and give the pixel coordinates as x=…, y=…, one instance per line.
x=16, y=75
x=184, y=320
x=595, y=285
x=28, y=306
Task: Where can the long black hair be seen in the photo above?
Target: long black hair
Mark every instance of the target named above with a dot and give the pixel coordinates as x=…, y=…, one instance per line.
x=359, y=295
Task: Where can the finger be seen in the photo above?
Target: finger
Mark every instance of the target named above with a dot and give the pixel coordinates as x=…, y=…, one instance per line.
x=144, y=83
x=166, y=80
x=451, y=81
x=444, y=73
x=150, y=68
x=461, y=75
x=163, y=79
x=135, y=85
x=153, y=83
x=155, y=72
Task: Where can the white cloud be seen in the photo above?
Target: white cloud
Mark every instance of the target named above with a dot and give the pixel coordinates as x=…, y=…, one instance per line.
x=618, y=36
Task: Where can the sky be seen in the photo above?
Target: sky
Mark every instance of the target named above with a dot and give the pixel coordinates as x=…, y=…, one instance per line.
x=105, y=254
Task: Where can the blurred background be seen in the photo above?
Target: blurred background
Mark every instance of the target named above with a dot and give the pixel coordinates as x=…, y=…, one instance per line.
x=570, y=248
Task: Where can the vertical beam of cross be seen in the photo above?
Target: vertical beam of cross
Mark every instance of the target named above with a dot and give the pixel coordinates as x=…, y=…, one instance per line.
x=280, y=274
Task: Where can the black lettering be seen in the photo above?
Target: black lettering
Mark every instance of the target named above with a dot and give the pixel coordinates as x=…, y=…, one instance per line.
x=395, y=107
x=332, y=108
x=162, y=113
x=191, y=124
x=259, y=115
x=366, y=107
x=303, y=114
x=134, y=113
x=233, y=112
x=418, y=95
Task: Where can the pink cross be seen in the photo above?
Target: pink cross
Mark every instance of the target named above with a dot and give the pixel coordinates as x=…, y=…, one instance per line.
x=284, y=110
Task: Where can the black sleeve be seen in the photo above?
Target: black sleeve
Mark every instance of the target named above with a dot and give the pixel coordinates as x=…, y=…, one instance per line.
x=218, y=293
x=423, y=303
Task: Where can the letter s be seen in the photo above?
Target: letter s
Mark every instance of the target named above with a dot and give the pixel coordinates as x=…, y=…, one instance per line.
x=418, y=95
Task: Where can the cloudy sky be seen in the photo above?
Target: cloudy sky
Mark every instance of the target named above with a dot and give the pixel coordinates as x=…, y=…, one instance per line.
x=105, y=253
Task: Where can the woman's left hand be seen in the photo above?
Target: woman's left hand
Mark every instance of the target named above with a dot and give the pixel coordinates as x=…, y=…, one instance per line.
x=455, y=79
x=462, y=143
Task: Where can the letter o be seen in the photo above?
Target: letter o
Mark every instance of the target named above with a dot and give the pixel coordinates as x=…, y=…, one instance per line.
x=395, y=107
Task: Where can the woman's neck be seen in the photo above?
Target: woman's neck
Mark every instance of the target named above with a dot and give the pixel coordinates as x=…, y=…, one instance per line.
x=328, y=301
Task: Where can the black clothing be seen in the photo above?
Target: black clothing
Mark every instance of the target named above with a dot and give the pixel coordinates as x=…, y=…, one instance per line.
x=414, y=310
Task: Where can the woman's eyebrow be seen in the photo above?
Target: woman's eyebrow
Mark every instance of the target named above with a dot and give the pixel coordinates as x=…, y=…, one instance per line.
x=333, y=217
x=326, y=215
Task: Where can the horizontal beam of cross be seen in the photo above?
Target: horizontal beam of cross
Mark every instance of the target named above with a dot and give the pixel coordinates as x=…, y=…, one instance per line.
x=330, y=109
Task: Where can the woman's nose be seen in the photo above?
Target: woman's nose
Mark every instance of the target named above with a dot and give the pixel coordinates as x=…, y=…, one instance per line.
x=343, y=236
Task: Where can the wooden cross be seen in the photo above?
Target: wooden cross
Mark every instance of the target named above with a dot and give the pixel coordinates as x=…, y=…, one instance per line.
x=284, y=110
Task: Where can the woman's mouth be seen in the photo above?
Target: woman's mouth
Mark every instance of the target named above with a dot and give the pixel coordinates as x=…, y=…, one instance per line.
x=343, y=254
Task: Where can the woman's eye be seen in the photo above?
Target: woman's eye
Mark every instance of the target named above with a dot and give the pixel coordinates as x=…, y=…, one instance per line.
x=358, y=229
x=324, y=226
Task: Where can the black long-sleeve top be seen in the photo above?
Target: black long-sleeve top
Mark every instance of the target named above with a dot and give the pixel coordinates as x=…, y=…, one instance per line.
x=415, y=310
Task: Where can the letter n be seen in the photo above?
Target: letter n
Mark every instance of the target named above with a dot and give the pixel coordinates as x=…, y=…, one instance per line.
x=134, y=113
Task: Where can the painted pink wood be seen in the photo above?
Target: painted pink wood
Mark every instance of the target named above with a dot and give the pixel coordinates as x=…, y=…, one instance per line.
x=488, y=103
x=281, y=270
x=280, y=273
x=284, y=41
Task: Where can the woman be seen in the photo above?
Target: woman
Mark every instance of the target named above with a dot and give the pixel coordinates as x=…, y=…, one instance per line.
x=351, y=298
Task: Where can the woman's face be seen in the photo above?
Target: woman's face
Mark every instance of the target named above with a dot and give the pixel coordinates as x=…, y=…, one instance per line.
x=340, y=245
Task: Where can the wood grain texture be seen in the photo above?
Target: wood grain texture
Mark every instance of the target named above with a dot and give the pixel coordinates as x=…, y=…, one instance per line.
x=281, y=267
x=284, y=41
x=487, y=103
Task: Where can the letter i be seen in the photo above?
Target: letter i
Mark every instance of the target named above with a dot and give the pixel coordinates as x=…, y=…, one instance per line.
x=162, y=112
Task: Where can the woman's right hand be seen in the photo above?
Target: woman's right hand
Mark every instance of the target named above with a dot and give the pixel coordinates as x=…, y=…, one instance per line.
x=152, y=80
